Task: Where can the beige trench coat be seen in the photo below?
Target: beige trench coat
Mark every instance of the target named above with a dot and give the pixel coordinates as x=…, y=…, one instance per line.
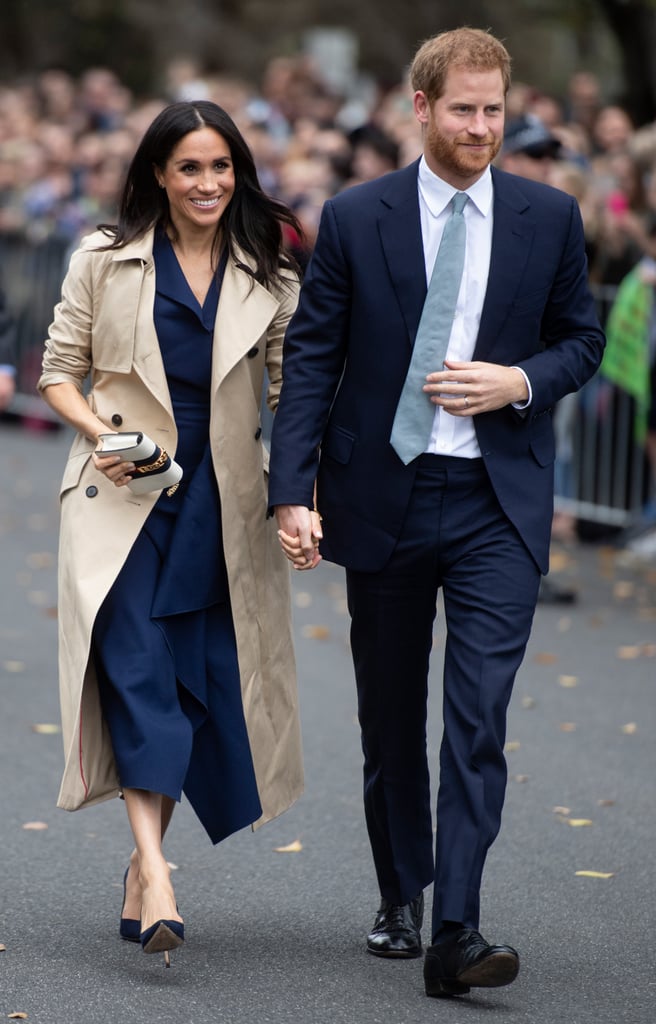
x=104, y=325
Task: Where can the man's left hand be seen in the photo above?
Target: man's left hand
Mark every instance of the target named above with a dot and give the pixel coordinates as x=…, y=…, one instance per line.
x=465, y=389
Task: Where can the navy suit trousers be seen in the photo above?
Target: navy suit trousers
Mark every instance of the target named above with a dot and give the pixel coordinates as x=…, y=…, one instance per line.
x=455, y=536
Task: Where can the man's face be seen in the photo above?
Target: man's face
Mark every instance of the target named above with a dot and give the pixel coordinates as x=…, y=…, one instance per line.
x=463, y=128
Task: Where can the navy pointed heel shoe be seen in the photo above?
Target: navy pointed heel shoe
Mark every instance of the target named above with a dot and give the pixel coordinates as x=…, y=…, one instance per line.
x=162, y=937
x=129, y=928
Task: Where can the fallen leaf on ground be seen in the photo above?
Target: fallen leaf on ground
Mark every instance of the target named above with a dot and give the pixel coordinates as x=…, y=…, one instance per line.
x=303, y=599
x=567, y=726
x=595, y=874
x=13, y=666
x=3, y=948
x=578, y=822
x=623, y=588
x=528, y=703
x=173, y=867
x=521, y=778
x=605, y=803
x=511, y=746
x=40, y=560
x=17, y=1016
x=294, y=847
x=46, y=728
x=564, y=624
x=629, y=728
x=316, y=632
x=628, y=653
x=649, y=650
x=559, y=560
x=565, y=811
x=568, y=682
x=35, y=826
x=544, y=658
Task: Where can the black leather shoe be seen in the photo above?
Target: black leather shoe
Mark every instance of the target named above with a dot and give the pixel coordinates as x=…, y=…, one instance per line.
x=397, y=930
x=453, y=966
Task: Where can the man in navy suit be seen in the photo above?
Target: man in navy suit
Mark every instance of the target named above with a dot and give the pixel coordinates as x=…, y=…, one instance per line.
x=471, y=514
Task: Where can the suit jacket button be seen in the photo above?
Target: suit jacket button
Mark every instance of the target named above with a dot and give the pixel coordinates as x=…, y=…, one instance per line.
x=91, y=491
x=252, y=353
x=258, y=433
x=117, y=420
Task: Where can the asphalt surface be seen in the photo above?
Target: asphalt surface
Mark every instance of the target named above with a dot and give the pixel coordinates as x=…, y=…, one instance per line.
x=278, y=937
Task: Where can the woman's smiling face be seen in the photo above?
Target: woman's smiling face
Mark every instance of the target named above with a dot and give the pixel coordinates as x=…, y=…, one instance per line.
x=199, y=179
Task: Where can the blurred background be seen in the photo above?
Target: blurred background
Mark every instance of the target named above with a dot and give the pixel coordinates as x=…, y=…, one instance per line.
x=320, y=91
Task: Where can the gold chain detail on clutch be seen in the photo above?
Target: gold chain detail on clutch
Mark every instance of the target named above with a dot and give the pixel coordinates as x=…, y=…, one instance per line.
x=159, y=461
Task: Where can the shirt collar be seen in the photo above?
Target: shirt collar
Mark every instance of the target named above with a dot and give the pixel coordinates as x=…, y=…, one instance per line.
x=437, y=194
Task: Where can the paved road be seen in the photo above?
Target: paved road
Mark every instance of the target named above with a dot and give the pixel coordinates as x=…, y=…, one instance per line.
x=277, y=937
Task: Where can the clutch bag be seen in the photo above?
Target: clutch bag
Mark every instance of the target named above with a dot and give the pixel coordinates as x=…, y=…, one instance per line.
x=154, y=469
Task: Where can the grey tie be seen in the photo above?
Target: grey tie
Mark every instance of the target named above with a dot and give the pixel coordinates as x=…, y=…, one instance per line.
x=415, y=412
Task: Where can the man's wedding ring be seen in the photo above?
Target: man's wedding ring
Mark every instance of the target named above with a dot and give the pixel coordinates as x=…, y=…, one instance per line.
x=464, y=398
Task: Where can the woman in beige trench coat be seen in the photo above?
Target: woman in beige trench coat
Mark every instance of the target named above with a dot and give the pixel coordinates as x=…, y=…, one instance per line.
x=187, y=217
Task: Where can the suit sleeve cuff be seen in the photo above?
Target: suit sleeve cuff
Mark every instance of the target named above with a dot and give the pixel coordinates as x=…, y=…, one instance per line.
x=521, y=406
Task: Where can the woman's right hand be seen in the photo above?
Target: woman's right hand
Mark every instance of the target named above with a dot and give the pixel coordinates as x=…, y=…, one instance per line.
x=114, y=468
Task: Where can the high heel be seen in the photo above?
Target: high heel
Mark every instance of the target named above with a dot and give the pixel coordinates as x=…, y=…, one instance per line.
x=129, y=928
x=162, y=937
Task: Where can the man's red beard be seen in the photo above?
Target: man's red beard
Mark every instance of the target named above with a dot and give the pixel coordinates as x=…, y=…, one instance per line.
x=456, y=156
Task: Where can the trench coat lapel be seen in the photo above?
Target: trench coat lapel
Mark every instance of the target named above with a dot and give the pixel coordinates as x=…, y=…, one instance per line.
x=135, y=307
x=245, y=311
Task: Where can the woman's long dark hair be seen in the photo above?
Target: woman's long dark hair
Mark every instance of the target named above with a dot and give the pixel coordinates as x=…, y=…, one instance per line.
x=252, y=220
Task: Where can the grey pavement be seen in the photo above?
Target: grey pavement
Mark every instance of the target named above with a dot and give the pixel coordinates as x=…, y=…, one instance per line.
x=278, y=937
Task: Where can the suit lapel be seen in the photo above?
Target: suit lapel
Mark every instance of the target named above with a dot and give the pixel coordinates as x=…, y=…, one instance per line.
x=399, y=226
x=512, y=238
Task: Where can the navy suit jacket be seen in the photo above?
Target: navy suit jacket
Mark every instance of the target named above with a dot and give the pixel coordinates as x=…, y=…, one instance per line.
x=348, y=348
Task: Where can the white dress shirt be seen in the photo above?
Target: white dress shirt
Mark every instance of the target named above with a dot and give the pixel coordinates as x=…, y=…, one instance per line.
x=455, y=435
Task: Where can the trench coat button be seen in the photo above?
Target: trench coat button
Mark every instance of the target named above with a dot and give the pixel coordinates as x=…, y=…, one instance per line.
x=258, y=433
x=252, y=352
x=117, y=420
x=91, y=491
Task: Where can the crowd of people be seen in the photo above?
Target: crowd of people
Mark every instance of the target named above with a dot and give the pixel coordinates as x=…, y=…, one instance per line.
x=65, y=145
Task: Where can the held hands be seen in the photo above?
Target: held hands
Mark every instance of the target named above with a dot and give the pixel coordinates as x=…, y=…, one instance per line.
x=465, y=389
x=299, y=532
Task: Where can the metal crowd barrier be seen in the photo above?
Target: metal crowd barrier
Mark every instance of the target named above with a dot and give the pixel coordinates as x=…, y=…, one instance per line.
x=602, y=474
x=31, y=272
x=602, y=471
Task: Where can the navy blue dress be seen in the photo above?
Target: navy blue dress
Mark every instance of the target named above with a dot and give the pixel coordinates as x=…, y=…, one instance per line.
x=164, y=643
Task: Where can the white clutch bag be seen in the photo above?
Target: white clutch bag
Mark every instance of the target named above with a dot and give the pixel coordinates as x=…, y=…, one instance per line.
x=154, y=470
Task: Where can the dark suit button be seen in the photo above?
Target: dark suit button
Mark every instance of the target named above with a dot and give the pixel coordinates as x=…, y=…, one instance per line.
x=252, y=353
x=117, y=420
x=91, y=491
x=258, y=433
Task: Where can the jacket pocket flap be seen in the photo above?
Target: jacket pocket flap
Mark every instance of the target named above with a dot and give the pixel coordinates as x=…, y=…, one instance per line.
x=338, y=444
